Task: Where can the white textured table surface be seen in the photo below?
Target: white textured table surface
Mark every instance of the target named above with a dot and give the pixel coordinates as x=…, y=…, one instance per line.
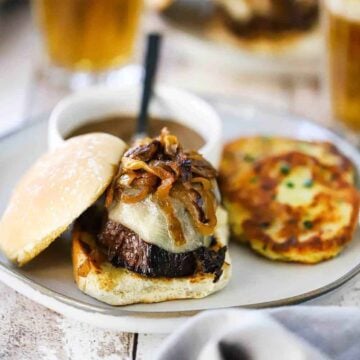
x=30, y=331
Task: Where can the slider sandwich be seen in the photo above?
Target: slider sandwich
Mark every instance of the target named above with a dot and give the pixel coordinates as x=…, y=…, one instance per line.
x=163, y=235
x=158, y=234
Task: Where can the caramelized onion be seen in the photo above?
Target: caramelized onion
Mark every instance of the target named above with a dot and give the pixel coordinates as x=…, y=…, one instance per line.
x=139, y=196
x=161, y=167
x=167, y=179
x=127, y=179
x=142, y=185
x=208, y=226
x=170, y=143
x=175, y=228
x=203, y=181
x=133, y=164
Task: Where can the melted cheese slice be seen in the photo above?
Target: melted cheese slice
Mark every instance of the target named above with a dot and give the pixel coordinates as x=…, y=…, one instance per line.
x=147, y=220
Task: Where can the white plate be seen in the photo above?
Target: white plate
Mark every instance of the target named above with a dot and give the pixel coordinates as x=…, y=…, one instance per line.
x=256, y=282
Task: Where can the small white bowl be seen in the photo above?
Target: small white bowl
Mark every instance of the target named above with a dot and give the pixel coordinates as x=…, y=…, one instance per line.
x=169, y=103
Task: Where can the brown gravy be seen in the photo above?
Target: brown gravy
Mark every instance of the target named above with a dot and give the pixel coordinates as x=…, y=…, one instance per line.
x=124, y=127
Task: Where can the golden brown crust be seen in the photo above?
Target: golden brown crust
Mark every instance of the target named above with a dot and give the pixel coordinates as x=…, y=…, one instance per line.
x=287, y=217
x=240, y=155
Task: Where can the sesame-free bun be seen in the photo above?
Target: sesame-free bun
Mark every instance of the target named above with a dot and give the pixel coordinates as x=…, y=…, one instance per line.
x=98, y=278
x=55, y=191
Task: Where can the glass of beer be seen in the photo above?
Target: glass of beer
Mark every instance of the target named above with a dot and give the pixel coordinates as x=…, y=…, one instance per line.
x=342, y=24
x=88, y=36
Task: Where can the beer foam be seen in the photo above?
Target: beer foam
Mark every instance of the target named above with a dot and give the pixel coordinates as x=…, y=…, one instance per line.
x=349, y=9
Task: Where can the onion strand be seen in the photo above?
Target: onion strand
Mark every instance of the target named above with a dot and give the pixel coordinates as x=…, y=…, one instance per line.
x=161, y=167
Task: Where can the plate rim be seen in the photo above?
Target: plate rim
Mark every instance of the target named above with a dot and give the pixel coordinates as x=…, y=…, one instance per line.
x=128, y=320
x=132, y=321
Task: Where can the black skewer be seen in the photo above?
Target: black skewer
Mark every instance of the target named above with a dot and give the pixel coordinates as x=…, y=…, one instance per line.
x=150, y=65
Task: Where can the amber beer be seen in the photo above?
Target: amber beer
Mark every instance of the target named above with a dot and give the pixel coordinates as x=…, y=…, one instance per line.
x=343, y=41
x=88, y=35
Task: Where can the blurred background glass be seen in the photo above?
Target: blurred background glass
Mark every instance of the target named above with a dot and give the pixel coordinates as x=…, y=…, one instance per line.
x=267, y=51
x=342, y=27
x=88, y=35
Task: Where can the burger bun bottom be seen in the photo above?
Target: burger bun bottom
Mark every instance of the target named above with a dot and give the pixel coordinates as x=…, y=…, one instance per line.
x=119, y=286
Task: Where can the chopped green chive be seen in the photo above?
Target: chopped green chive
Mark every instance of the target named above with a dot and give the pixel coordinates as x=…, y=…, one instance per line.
x=308, y=183
x=290, y=185
x=254, y=180
x=285, y=169
x=308, y=224
x=249, y=158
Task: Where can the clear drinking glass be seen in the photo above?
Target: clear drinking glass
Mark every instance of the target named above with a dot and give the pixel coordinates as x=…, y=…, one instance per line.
x=87, y=37
x=342, y=26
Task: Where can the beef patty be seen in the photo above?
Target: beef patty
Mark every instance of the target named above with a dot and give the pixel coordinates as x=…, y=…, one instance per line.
x=124, y=248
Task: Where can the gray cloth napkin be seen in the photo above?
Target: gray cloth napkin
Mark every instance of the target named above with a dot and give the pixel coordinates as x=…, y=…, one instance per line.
x=287, y=333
